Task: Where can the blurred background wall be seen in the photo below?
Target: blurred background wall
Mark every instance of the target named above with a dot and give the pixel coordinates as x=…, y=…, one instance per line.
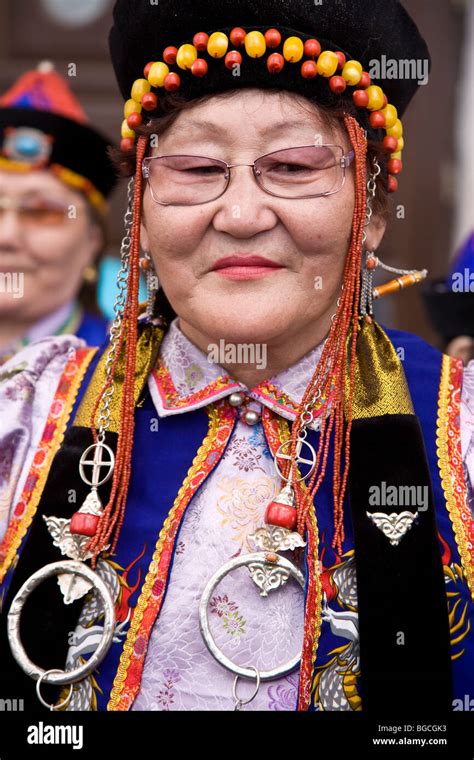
x=425, y=224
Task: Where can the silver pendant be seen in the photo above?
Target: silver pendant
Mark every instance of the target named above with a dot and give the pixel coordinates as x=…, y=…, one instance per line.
x=73, y=545
x=394, y=525
x=311, y=462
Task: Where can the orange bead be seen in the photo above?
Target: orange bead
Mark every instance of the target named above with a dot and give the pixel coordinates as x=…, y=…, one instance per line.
x=394, y=166
x=360, y=98
x=237, y=36
x=199, y=67
x=172, y=82
x=392, y=184
x=232, y=59
x=169, y=55
x=312, y=48
x=272, y=38
x=275, y=63
x=377, y=120
x=200, y=41
x=309, y=70
x=337, y=85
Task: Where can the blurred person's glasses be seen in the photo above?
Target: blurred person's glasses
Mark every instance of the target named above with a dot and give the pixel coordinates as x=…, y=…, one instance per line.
x=35, y=211
x=309, y=171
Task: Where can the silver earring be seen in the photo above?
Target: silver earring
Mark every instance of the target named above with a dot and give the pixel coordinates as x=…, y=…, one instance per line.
x=152, y=283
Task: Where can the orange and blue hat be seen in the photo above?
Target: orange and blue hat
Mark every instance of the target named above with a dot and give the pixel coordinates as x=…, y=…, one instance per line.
x=43, y=126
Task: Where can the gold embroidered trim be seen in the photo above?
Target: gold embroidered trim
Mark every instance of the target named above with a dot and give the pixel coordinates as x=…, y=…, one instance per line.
x=450, y=464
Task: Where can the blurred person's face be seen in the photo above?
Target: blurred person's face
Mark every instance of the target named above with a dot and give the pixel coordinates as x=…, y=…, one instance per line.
x=307, y=238
x=462, y=348
x=47, y=238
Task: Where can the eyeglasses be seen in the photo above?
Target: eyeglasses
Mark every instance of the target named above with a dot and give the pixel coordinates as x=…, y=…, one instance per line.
x=35, y=211
x=308, y=171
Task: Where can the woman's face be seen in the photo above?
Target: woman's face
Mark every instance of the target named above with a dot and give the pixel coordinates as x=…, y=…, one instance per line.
x=307, y=238
x=46, y=253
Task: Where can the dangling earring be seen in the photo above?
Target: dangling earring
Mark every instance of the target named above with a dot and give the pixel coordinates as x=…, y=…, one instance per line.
x=409, y=276
x=152, y=283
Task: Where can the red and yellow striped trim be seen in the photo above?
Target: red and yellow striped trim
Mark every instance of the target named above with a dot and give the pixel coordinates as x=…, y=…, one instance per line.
x=129, y=673
x=51, y=440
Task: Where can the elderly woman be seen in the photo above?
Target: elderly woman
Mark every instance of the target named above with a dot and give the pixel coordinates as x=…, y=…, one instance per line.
x=55, y=176
x=254, y=500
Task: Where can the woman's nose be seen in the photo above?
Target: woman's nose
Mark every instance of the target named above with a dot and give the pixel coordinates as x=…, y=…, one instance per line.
x=10, y=227
x=244, y=208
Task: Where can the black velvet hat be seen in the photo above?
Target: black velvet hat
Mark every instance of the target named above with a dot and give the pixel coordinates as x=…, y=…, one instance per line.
x=42, y=125
x=363, y=30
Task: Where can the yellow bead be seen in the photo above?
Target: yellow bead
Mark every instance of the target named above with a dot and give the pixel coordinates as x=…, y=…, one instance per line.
x=139, y=88
x=217, y=44
x=396, y=130
x=255, y=44
x=375, y=94
x=398, y=155
x=327, y=63
x=352, y=72
x=157, y=73
x=186, y=56
x=125, y=130
x=293, y=49
x=131, y=106
x=401, y=143
x=391, y=115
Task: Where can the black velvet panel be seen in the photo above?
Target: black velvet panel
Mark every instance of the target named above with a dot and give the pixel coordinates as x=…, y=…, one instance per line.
x=401, y=589
x=46, y=622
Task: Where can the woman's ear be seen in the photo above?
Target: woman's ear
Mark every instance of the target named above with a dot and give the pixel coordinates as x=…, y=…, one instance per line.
x=144, y=239
x=375, y=232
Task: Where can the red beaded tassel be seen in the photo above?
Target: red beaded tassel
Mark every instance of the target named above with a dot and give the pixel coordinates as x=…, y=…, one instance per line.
x=113, y=515
x=336, y=362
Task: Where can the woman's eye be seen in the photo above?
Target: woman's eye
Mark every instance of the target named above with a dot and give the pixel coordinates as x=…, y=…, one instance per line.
x=291, y=168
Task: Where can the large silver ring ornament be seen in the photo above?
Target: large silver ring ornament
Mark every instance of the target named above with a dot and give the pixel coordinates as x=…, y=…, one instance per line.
x=61, y=677
x=247, y=560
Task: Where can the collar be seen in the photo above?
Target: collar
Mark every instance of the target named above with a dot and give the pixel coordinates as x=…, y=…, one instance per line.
x=185, y=380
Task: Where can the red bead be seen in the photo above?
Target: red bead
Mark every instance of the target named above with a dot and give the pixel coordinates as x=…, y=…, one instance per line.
x=394, y=166
x=149, y=101
x=199, y=67
x=147, y=69
x=84, y=524
x=309, y=70
x=337, y=84
x=312, y=48
x=392, y=184
x=169, y=54
x=360, y=98
x=341, y=58
x=172, y=82
x=200, y=41
x=390, y=144
x=232, y=58
x=281, y=514
x=237, y=36
x=127, y=144
x=275, y=63
x=272, y=38
x=377, y=120
x=134, y=120
x=385, y=101
x=365, y=80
